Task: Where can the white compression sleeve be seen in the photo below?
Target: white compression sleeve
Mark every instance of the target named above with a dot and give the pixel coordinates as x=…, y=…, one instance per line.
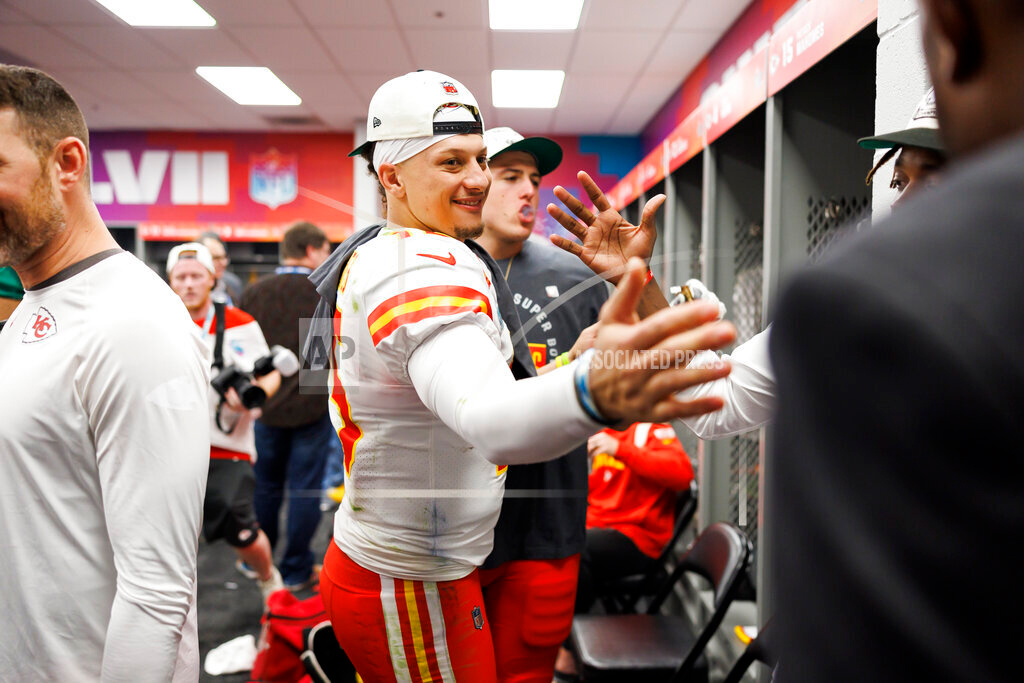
x=748, y=390
x=461, y=377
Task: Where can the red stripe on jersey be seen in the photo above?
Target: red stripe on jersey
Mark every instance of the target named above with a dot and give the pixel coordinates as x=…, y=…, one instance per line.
x=407, y=634
x=350, y=433
x=419, y=304
x=428, y=632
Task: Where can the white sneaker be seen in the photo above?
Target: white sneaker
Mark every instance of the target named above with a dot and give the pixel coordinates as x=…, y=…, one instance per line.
x=246, y=571
x=271, y=585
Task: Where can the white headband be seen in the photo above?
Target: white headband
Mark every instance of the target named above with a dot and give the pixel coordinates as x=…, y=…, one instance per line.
x=397, y=151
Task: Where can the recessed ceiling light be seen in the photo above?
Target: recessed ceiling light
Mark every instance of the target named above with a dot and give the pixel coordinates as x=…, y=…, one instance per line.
x=535, y=15
x=249, y=84
x=526, y=89
x=166, y=13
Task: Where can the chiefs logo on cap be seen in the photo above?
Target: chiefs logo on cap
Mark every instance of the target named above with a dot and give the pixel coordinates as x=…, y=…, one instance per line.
x=449, y=87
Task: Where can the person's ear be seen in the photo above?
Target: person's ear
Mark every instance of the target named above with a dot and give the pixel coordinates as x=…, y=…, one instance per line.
x=72, y=159
x=957, y=38
x=391, y=180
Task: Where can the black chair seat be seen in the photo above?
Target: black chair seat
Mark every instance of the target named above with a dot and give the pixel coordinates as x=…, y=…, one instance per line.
x=634, y=647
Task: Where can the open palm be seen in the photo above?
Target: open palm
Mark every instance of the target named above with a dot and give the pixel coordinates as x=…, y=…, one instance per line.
x=608, y=240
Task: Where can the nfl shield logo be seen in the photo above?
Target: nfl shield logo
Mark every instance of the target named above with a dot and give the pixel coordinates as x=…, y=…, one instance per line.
x=273, y=178
x=449, y=87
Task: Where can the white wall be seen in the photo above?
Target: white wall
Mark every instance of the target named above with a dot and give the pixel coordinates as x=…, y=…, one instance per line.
x=902, y=81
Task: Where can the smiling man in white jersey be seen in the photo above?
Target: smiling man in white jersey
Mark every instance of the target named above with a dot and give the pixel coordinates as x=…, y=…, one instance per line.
x=104, y=434
x=427, y=409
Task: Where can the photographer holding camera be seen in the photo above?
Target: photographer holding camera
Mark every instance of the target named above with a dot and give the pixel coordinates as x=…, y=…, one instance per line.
x=245, y=372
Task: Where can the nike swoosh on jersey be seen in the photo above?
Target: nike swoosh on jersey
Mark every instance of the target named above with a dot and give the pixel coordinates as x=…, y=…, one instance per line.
x=450, y=259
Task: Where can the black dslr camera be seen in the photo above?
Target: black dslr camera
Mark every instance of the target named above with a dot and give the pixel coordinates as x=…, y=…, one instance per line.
x=279, y=358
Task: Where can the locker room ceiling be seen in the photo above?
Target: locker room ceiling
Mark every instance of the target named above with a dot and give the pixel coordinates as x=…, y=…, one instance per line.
x=623, y=62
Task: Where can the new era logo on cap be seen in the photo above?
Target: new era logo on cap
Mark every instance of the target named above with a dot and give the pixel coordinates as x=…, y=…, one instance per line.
x=376, y=122
x=449, y=87
x=926, y=109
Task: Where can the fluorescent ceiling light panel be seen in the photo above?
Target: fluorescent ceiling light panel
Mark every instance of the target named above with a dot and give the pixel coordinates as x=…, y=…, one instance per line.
x=526, y=89
x=159, y=12
x=249, y=85
x=535, y=15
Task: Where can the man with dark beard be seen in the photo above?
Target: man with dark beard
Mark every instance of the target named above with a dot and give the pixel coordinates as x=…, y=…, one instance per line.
x=104, y=432
x=896, y=481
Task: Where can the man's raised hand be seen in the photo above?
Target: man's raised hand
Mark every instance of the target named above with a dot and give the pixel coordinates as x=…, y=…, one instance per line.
x=609, y=241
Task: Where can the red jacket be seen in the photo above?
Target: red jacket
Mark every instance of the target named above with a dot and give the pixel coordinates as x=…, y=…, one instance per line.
x=634, y=491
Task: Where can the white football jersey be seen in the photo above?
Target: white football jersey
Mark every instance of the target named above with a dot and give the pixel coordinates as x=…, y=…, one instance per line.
x=419, y=502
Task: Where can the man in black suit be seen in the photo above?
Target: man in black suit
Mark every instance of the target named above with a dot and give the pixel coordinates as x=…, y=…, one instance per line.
x=898, y=477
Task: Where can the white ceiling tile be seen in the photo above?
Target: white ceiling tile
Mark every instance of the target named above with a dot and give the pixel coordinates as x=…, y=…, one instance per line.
x=202, y=47
x=318, y=88
x=367, y=83
x=46, y=49
x=700, y=15
x=109, y=116
x=590, y=100
x=525, y=121
x=617, y=15
x=680, y=51
x=229, y=115
x=230, y=13
x=10, y=15
x=118, y=86
x=643, y=101
x=120, y=45
x=453, y=52
x=66, y=12
x=279, y=48
x=346, y=13
x=181, y=85
x=625, y=60
x=441, y=14
x=176, y=117
x=525, y=50
x=583, y=123
x=368, y=50
x=611, y=52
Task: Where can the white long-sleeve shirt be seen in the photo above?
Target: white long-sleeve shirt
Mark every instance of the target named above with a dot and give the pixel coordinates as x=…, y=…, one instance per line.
x=104, y=450
x=748, y=391
x=427, y=410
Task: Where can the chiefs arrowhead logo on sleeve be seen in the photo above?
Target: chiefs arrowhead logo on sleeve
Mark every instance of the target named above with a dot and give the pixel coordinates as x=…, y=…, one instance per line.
x=41, y=325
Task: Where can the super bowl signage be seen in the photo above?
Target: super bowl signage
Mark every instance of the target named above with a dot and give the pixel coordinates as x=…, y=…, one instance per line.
x=195, y=177
x=273, y=178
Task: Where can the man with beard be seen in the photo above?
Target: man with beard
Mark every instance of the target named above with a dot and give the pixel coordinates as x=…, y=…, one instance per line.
x=896, y=481
x=104, y=434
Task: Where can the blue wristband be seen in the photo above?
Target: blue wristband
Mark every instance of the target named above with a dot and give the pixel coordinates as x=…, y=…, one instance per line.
x=581, y=379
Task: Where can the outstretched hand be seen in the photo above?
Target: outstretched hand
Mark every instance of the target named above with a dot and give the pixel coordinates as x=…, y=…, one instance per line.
x=609, y=241
x=640, y=366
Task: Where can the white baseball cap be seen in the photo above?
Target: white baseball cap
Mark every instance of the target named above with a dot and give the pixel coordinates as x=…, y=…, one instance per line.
x=922, y=130
x=404, y=107
x=191, y=250
x=546, y=152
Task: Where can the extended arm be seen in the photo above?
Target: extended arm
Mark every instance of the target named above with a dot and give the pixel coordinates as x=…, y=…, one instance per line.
x=461, y=377
x=748, y=392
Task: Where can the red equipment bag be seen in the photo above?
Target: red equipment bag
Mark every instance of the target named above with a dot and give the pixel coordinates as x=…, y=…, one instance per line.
x=282, y=638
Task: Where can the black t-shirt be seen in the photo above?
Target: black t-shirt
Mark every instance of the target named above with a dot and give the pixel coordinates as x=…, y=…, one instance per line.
x=279, y=303
x=544, y=513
